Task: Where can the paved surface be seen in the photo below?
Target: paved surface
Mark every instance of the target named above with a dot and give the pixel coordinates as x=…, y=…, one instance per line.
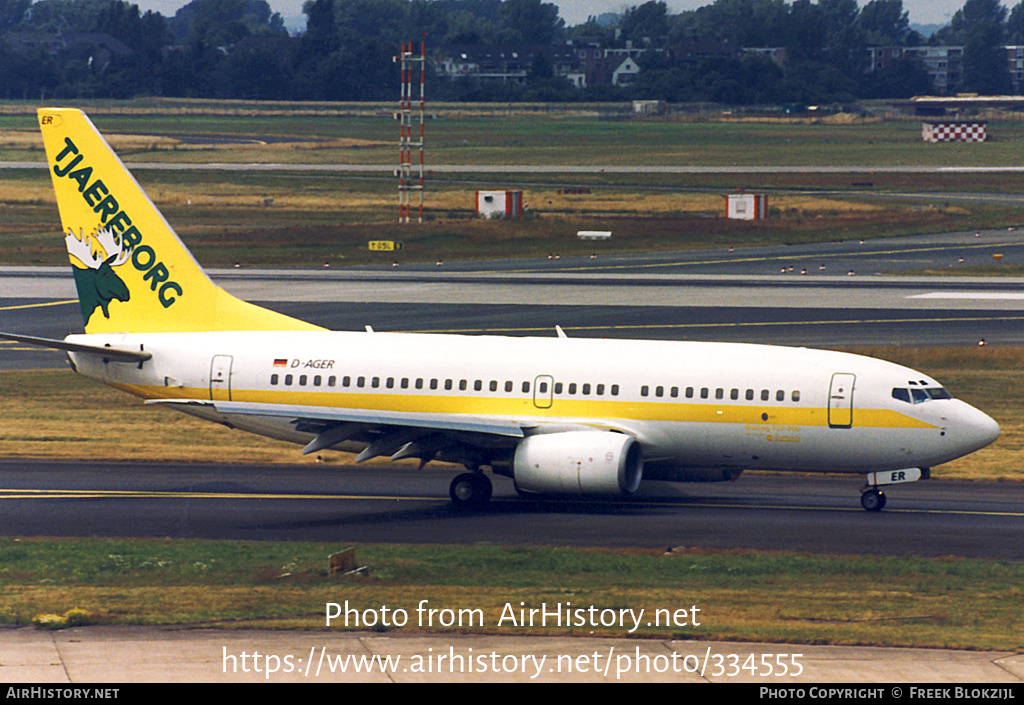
x=388, y=503
x=99, y=655
x=758, y=294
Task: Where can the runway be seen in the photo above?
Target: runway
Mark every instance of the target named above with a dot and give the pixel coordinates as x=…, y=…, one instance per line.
x=821, y=328
x=381, y=504
x=839, y=294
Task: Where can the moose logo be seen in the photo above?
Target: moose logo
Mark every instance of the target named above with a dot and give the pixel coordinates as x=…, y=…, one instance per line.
x=97, y=283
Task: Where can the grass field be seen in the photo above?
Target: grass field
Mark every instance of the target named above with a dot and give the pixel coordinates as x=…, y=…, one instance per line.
x=285, y=218
x=462, y=134
x=773, y=597
x=305, y=221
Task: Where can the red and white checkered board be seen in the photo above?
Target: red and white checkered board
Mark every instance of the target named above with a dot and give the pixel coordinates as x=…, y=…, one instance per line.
x=955, y=132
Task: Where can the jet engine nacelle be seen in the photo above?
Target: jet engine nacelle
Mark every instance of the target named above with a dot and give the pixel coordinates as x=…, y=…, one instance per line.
x=579, y=462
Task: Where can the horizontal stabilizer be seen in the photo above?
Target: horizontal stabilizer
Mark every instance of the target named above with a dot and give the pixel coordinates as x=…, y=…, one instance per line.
x=112, y=354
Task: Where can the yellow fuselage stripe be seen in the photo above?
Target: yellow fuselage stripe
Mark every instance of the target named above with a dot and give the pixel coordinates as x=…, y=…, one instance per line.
x=675, y=410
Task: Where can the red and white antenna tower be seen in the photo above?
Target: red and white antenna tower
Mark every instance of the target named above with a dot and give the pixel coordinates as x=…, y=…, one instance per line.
x=406, y=181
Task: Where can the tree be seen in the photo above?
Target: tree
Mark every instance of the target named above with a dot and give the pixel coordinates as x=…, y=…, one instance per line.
x=456, y=21
x=321, y=36
x=975, y=12
x=30, y=75
x=145, y=35
x=645, y=23
x=221, y=23
x=540, y=68
x=902, y=78
x=12, y=12
x=985, y=65
x=806, y=30
x=752, y=23
x=64, y=15
x=530, y=21
x=845, y=44
x=980, y=27
x=885, y=22
x=464, y=27
x=1015, y=25
x=660, y=78
x=812, y=81
x=378, y=21
x=271, y=81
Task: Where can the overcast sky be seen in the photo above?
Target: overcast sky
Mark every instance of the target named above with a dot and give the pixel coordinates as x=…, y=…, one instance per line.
x=576, y=11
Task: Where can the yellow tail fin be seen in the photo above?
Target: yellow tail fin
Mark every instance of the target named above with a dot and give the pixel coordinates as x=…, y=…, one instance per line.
x=132, y=272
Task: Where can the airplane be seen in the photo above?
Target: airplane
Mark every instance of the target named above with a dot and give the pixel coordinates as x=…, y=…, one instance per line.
x=559, y=416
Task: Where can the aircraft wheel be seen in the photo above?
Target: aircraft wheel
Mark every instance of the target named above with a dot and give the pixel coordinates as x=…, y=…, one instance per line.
x=470, y=490
x=873, y=500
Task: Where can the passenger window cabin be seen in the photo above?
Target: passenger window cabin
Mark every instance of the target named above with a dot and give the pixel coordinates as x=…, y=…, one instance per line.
x=910, y=395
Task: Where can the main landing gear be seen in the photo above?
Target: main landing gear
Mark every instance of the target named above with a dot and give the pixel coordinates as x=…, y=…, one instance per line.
x=470, y=490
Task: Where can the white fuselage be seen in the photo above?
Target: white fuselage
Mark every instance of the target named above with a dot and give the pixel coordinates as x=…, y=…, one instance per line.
x=689, y=404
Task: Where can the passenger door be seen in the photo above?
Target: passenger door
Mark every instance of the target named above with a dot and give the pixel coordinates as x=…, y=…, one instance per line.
x=220, y=378
x=840, y=400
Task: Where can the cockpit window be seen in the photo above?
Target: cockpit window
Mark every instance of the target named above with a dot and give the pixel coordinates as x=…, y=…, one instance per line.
x=919, y=396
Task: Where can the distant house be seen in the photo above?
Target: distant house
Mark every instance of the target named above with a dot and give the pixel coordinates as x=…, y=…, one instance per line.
x=599, y=65
x=691, y=52
x=1015, y=63
x=582, y=64
x=776, y=54
x=944, y=64
x=506, y=63
x=626, y=72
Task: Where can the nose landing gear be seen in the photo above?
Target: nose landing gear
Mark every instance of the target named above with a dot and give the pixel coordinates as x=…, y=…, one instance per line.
x=872, y=499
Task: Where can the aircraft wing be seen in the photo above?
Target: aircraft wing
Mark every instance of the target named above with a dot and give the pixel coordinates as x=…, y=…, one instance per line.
x=393, y=429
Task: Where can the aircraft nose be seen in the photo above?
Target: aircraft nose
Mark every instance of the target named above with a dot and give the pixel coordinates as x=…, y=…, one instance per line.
x=979, y=429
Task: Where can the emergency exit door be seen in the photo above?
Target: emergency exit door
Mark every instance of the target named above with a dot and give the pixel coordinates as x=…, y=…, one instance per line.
x=543, y=391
